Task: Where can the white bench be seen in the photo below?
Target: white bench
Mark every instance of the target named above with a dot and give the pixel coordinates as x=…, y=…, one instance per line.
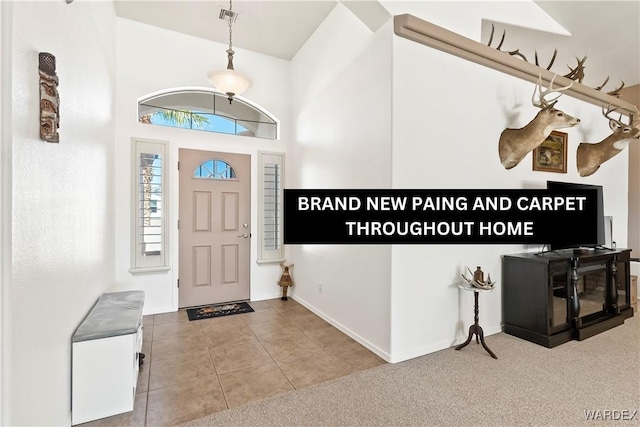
x=105, y=351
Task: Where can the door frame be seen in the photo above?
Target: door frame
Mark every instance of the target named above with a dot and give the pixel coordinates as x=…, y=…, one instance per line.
x=174, y=239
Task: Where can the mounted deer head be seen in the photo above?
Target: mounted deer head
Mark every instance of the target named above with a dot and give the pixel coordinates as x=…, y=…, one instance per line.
x=514, y=144
x=590, y=156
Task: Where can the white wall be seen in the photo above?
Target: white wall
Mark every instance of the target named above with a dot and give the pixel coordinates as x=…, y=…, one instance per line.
x=632, y=94
x=342, y=123
x=6, y=15
x=634, y=198
x=446, y=117
x=62, y=212
x=151, y=59
x=448, y=114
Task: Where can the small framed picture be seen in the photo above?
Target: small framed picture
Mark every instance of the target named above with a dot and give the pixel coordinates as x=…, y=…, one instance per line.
x=551, y=155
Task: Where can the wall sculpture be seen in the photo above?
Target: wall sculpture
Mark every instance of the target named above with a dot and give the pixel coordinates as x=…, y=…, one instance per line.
x=49, y=99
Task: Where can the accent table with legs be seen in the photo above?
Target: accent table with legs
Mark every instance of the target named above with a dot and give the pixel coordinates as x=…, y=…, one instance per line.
x=475, y=328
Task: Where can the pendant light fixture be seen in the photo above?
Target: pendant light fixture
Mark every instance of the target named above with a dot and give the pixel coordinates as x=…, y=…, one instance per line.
x=229, y=80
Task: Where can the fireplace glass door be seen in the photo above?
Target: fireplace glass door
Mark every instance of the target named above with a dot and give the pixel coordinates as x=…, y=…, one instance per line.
x=592, y=289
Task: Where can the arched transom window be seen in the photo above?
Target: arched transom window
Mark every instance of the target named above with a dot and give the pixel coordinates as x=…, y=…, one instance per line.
x=214, y=169
x=208, y=111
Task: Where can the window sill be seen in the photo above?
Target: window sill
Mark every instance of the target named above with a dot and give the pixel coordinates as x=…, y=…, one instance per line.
x=270, y=261
x=149, y=270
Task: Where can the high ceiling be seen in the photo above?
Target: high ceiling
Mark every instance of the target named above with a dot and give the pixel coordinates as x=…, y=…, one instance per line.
x=609, y=30
x=276, y=28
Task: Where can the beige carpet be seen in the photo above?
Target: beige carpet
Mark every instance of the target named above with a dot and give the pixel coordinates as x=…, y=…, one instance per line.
x=527, y=385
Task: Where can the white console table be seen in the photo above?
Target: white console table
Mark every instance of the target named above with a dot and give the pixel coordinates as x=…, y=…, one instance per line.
x=105, y=350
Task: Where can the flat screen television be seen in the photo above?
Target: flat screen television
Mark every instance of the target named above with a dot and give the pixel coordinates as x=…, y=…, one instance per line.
x=560, y=240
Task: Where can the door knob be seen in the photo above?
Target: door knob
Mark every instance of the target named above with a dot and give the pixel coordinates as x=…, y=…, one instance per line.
x=246, y=236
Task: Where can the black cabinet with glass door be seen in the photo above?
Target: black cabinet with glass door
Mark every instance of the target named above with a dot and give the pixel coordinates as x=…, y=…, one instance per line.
x=554, y=297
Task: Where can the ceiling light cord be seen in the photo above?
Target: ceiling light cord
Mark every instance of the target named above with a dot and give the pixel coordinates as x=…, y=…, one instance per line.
x=230, y=51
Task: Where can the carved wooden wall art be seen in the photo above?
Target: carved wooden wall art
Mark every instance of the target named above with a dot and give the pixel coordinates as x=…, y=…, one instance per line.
x=49, y=99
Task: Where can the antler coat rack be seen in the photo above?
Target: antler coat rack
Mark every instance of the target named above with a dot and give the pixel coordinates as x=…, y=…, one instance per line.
x=428, y=34
x=576, y=73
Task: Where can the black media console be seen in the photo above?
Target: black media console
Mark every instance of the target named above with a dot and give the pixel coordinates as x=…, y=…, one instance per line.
x=571, y=294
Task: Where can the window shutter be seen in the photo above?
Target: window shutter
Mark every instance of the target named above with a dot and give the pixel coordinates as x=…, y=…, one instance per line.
x=271, y=190
x=149, y=234
x=271, y=193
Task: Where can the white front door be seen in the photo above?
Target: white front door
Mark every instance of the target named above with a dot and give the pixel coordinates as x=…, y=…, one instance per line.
x=214, y=229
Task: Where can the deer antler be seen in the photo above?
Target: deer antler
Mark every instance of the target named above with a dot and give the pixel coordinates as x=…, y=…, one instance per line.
x=543, y=102
x=553, y=58
x=578, y=72
x=486, y=284
x=493, y=29
x=513, y=52
x=603, y=83
x=517, y=53
x=616, y=91
x=609, y=111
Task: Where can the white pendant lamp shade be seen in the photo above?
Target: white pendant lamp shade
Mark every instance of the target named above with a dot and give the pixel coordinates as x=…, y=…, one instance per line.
x=229, y=81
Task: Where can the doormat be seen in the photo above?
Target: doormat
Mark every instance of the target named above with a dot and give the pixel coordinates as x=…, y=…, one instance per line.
x=218, y=310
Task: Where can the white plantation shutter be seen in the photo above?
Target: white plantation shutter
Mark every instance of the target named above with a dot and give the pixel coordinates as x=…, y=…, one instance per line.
x=149, y=219
x=270, y=196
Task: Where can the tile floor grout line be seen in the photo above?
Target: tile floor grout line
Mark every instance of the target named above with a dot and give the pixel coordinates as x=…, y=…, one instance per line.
x=284, y=373
x=146, y=405
x=273, y=358
x=279, y=319
x=146, y=400
x=305, y=335
x=215, y=370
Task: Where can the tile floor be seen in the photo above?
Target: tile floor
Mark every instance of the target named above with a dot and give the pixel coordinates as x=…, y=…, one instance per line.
x=193, y=369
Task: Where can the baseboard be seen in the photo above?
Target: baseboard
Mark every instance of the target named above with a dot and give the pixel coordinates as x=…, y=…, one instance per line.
x=159, y=311
x=391, y=358
x=438, y=346
x=420, y=351
x=266, y=297
x=372, y=347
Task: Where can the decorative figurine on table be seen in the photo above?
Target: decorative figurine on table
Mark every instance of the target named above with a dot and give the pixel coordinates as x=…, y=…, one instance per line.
x=477, y=280
x=285, y=280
